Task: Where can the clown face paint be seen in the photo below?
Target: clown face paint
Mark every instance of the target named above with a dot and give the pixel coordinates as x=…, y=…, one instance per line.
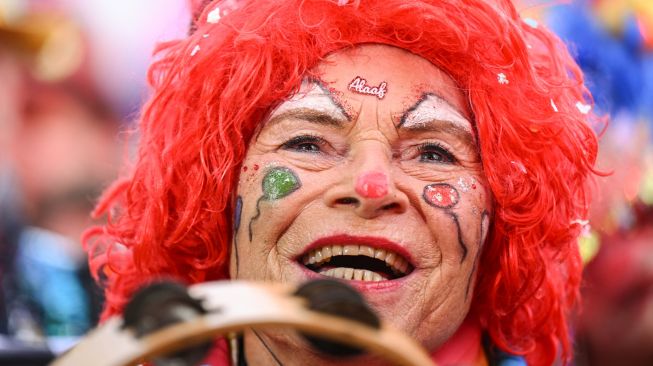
x=238, y=210
x=278, y=182
x=372, y=185
x=369, y=196
x=431, y=108
x=441, y=195
x=314, y=96
x=359, y=85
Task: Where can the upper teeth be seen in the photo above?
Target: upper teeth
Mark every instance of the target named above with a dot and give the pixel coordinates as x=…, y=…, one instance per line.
x=324, y=254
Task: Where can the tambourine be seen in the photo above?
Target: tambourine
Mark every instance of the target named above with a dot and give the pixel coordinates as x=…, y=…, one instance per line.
x=167, y=319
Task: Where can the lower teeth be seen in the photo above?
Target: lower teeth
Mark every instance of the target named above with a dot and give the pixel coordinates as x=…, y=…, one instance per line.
x=352, y=274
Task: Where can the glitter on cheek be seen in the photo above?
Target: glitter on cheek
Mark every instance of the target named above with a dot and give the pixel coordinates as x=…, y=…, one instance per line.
x=372, y=185
x=441, y=195
x=244, y=168
x=256, y=166
x=465, y=185
x=278, y=183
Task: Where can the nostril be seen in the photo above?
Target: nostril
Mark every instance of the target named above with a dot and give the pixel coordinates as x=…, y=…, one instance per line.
x=347, y=201
x=390, y=206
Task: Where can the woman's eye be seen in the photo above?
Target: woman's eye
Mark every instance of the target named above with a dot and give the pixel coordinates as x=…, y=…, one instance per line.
x=305, y=143
x=434, y=153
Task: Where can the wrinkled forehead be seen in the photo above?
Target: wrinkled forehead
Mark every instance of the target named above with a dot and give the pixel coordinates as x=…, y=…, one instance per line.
x=405, y=75
x=397, y=83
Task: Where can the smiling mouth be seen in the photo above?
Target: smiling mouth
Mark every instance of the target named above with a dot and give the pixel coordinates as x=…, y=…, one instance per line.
x=357, y=262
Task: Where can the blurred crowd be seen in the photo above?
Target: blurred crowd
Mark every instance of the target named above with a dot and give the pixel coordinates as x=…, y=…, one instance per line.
x=66, y=99
x=72, y=75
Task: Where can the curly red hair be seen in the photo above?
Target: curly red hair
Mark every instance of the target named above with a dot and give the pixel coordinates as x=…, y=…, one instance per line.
x=171, y=215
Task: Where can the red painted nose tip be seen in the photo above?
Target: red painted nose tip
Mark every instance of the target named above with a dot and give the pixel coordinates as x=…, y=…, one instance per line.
x=372, y=185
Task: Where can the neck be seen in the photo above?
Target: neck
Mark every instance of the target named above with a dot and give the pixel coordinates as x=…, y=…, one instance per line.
x=463, y=348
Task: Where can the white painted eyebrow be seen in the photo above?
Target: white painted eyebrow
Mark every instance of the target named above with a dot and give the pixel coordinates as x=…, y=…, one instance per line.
x=312, y=96
x=429, y=109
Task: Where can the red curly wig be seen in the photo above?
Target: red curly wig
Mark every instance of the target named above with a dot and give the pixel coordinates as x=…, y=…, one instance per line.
x=171, y=215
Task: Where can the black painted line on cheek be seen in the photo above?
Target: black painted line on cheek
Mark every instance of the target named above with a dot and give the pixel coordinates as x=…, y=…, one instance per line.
x=267, y=347
x=445, y=197
x=478, y=253
x=258, y=213
x=238, y=211
x=461, y=242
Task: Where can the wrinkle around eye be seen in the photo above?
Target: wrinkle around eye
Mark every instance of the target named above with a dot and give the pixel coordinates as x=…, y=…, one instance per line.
x=431, y=173
x=314, y=164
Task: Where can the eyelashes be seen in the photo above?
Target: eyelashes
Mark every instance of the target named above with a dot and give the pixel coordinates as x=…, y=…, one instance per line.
x=433, y=152
x=428, y=152
x=305, y=143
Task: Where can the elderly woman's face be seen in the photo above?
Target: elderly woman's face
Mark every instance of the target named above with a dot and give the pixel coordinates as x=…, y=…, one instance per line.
x=370, y=175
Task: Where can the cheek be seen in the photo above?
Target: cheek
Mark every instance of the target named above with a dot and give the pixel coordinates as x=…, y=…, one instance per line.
x=259, y=197
x=474, y=195
x=458, y=216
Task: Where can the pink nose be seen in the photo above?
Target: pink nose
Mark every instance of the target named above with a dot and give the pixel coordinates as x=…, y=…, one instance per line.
x=372, y=185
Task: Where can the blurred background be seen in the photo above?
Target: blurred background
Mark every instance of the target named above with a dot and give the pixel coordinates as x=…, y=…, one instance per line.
x=72, y=77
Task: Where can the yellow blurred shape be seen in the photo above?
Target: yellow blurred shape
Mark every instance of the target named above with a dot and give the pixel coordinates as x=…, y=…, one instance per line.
x=51, y=45
x=589, y=245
